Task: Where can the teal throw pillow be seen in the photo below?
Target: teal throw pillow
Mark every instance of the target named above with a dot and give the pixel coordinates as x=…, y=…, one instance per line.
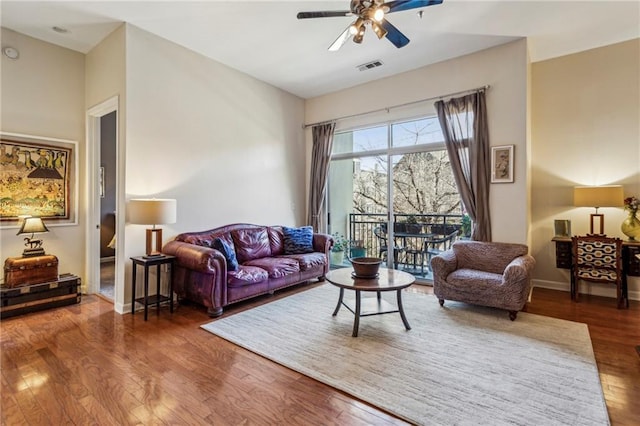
x=227, y=251
x=298, y=240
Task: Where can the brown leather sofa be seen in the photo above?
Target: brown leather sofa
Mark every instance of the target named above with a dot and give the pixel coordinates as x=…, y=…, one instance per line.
x=201, y=273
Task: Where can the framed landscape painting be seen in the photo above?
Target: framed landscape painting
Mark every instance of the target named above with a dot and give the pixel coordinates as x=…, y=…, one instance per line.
x=38, y=177
x=502, y=164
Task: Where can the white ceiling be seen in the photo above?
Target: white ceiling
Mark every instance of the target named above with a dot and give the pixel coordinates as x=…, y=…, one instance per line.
x=265, y=40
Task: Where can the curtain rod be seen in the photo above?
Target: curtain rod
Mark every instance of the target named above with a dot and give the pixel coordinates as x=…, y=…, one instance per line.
x=477, y=89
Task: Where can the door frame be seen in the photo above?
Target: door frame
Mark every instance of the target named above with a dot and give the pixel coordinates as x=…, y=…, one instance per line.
x=94, y=114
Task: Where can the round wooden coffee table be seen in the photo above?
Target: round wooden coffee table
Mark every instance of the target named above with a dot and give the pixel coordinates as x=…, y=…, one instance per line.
x=387, y=280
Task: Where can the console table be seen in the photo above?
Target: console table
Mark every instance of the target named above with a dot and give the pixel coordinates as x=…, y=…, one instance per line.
x=630, y=257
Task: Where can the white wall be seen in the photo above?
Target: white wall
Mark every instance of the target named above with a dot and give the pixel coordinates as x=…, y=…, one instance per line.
x=505, y=69
x=586, y=131
x=228, y=147
x=43, y=95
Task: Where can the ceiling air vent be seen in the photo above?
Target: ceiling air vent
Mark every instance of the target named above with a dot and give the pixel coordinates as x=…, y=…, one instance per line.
x=369, y=65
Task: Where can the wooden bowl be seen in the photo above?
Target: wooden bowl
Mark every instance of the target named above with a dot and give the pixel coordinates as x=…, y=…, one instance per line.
x=366, y=267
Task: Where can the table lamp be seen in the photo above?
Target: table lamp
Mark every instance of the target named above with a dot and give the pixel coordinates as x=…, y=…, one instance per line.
x=598, y=196
x=32, y=225
x=152, y=212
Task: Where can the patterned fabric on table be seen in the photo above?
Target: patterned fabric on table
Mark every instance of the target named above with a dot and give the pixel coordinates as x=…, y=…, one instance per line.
x=596, y=260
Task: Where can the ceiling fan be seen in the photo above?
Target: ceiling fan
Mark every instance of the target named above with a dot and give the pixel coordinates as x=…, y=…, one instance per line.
x=370, y=12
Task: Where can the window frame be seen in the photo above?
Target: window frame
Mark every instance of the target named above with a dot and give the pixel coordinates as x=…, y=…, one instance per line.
x=390, y=150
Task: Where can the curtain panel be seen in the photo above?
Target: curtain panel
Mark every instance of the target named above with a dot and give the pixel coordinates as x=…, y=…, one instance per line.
x=466, y=134
x=320, y=160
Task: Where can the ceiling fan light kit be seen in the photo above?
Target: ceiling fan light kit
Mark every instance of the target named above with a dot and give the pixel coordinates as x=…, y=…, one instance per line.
x=371, y=12
x=378, y=30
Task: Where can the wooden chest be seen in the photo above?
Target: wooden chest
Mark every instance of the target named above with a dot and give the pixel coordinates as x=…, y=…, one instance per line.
x=65, y=290
x=20, y=271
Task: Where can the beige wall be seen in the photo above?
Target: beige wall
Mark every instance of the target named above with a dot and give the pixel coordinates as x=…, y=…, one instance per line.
x=231, y=149
x=505, y=69
x=43, y=95
x=586, y=131
x=105, y=72
x=228, y=147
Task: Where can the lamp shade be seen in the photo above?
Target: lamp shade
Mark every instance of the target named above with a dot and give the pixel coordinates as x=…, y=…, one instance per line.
x=598, y=196
x=32, y=225
x=152, y=211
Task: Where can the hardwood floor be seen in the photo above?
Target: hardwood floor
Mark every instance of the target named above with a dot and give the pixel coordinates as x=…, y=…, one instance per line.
x=84, y=364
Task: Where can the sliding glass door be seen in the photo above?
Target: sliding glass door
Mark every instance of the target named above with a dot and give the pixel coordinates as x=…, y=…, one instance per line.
x=358, y=191
x=392, y=193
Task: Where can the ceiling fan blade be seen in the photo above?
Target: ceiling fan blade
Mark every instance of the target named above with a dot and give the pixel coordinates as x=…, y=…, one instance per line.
x=342, y=39
x=324, y=14
x=398, y=5
x=394, y=35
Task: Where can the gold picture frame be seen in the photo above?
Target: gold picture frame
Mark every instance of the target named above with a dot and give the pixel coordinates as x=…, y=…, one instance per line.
x=38, y=177
x=502, y=164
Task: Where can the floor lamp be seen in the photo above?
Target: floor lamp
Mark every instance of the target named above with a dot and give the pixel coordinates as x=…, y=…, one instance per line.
x=598, y=196
x=152, y=212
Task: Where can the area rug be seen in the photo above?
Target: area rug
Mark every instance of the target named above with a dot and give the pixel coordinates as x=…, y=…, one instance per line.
x=458, y=365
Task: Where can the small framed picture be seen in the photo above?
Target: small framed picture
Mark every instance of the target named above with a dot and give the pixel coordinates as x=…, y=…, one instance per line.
x=562, y=227
x=101, y=179
x=502, y=164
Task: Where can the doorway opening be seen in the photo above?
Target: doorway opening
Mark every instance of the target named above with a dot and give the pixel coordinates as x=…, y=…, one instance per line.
x=108, y=217
x=104, y=270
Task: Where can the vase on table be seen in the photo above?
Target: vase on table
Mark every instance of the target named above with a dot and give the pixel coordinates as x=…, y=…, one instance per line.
x=631, y=226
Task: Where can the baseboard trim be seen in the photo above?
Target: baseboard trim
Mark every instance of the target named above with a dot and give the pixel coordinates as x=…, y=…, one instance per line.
x=594, y=289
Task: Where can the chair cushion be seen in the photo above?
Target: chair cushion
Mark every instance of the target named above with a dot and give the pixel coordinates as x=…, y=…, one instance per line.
x=298, y=240
x=276, y=239
x=492, y=257
x=472, y=279
x=246, y=275
x=481, y=288
x=308, y=260
x=276, y=267
x=251, y=243
x=597, y=274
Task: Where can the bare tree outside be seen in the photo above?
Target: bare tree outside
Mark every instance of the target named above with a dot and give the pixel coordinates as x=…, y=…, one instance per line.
x=424, y=189
x=423, y=182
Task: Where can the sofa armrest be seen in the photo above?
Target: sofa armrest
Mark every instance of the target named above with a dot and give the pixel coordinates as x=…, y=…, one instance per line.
x=443, y=264
x=519, y=269
x=322, y=243
x=197, y=258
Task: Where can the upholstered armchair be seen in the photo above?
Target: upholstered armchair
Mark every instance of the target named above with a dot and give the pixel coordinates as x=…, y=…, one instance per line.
x=490, y=274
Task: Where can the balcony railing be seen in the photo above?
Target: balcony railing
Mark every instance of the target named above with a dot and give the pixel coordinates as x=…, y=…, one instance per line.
x=417, y=237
